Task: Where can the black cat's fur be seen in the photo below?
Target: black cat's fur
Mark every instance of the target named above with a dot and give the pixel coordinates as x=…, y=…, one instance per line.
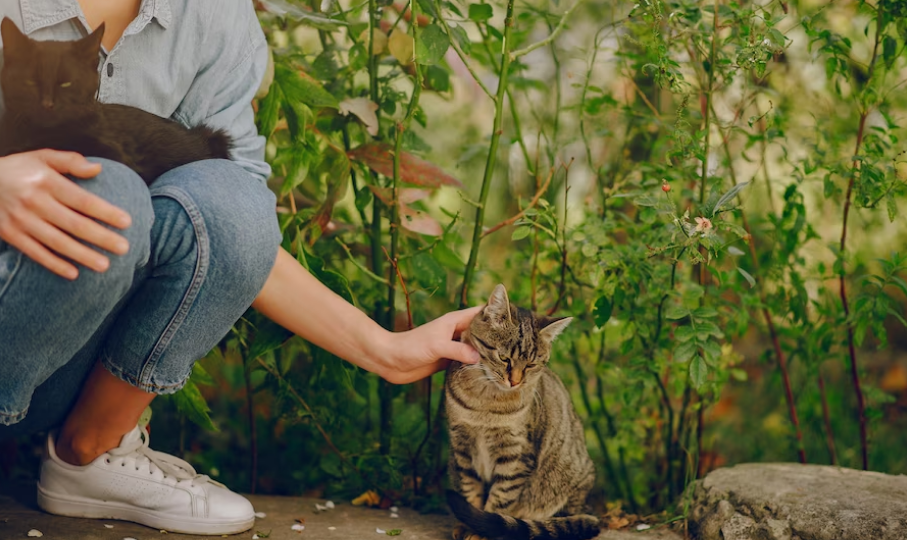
x=49, y=92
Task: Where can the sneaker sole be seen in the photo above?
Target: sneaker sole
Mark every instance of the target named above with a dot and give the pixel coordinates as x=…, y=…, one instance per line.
x=92, y=509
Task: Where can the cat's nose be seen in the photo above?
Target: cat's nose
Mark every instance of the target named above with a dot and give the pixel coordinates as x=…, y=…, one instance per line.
x=47, y=104
x=515, y=379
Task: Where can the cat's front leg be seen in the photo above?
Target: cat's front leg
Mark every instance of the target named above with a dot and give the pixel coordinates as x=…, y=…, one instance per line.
x=468, y=482
x=511, y=472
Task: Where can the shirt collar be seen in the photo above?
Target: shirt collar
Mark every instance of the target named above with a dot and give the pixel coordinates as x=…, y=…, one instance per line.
x=37, y=14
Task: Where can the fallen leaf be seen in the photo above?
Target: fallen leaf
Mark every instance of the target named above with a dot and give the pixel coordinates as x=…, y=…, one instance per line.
x=369, y=498
x=401, y=45
x=413, y=170
x=35, y=533
x=394, y=532
x=364, y=109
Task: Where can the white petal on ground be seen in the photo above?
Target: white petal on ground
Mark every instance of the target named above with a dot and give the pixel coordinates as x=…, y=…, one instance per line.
x=642, y=527
x=394, y=515
x=298, y=527
x=108, y=526
x=260, y=515
x=35, y=533
x=380, y=531
x=329, y=505
x=320, y=508
x=394, y=509
x=332, y=528
x=254, y=537
x=364, y=109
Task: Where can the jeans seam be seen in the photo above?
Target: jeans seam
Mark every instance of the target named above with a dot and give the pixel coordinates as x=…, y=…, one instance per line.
x=12, y=275
x=8, y=419
x=198, y=278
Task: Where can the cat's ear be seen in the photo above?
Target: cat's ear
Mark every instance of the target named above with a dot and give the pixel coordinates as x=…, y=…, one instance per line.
x=551, y=328
x=497, y=310
x=90, y=45
x=13, y=39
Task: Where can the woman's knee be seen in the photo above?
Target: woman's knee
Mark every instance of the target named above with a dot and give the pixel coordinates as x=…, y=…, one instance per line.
x=233, y=215
x=123, y=188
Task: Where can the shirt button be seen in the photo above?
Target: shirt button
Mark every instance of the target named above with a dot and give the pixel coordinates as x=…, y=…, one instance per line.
x=110, y=70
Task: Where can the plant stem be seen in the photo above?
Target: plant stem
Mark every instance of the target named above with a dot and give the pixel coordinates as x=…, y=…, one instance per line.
x=599, y=436
x=829, y=435
x=492, y=157
x=253, y=432
x=551, y=37
x=854, y=370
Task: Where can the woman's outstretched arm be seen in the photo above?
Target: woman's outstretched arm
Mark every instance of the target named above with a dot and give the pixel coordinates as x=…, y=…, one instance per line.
x=294, y=299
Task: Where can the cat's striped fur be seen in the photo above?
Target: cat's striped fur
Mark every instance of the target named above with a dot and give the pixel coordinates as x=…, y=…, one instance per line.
x=519, y=467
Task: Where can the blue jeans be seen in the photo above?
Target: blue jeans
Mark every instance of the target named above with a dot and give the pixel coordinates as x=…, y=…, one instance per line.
x=202, y=243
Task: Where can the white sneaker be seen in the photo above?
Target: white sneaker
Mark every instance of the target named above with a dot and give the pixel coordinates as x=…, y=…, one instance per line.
x=134, y=483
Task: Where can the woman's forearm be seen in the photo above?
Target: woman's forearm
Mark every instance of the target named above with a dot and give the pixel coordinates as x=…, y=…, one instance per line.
x=296, y=300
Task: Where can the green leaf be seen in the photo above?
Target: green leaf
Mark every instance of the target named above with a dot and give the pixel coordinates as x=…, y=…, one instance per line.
x=445, y=255
x=268, y=337
x=431, y=45
x=892, y=208
x=480, y=12
x=699, y=370
x=675, y=312
x=427, y=272
x=190, y=402
x=726, y=198
x=685, y=351
x=748, y=276
x=684, y=333
x=462, y=38
x=521, y=232
x=302, y=89
x=602, y=310
x=268, y=111
x=705, y=312
x=712, y=352
x=394, y=532
x=438, y=78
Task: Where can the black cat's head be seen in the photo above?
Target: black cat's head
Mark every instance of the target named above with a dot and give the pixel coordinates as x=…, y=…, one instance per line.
x=48, y=80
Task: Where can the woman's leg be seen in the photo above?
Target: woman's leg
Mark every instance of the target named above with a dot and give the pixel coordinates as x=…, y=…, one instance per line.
x=213, y=243
x=46, y=320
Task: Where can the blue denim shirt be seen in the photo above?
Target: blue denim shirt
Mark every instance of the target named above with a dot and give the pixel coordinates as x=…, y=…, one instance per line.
x=196, y=61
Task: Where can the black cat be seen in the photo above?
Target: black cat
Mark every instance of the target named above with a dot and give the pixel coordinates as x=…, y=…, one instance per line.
x=49, y=90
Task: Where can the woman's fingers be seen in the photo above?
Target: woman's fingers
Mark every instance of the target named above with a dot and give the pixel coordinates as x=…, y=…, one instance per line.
x=63, y=244
x=70, y=163
x=70, y=194
x=40, y=254
x=80, y=226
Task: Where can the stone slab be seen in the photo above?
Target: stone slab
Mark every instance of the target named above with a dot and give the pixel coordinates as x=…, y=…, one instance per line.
x=19, y=514
x=789, y=501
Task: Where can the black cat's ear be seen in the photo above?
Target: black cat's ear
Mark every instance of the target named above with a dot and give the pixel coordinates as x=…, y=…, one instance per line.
x=497, y=310
x=13, y=38
x=552, y=327
x=90, y=45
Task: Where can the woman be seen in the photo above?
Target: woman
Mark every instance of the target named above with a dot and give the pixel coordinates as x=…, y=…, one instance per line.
x=109, y=293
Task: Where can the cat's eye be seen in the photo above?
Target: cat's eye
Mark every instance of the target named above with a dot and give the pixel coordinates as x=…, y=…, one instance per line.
x=66, y=85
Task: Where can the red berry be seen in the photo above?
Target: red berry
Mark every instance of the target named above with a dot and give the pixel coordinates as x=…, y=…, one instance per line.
x=665, y=187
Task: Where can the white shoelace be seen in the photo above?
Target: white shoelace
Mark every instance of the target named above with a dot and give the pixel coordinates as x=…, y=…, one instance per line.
x=139, y=451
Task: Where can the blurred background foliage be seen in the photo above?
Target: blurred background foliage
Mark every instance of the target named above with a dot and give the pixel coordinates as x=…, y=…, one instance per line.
x=677, y=175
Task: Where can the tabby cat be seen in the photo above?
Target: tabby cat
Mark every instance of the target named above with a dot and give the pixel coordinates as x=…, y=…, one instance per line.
x=519, y=467
x=49, y=91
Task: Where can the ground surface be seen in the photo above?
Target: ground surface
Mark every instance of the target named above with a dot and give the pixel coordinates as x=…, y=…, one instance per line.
x=19, y=514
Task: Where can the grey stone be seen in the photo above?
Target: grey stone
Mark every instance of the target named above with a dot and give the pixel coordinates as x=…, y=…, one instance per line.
x=787, y=501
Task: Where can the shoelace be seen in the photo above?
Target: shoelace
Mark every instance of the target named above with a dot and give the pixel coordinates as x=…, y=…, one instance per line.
x=169, y=465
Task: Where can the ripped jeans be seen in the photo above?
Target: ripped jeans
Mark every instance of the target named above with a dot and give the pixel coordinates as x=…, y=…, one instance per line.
x=202, y=242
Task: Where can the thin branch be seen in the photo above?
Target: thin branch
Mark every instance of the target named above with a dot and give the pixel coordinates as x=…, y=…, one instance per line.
x=462, y=55
x=551, y=37
x=532, y=203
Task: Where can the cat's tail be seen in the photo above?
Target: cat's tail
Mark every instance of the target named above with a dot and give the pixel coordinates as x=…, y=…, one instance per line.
x=219, y=142
x=491, y=525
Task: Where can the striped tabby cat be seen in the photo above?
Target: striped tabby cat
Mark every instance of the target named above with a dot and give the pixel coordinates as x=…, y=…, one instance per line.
x=518, y=466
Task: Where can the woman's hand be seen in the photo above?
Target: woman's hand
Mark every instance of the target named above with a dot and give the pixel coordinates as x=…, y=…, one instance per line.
x=42, y=212
x=416, y=354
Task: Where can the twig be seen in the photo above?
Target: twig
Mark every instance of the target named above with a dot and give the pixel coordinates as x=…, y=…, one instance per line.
x=253, y=433
x=532, y=203
x=829, y=435
x=462, y=55
x=409, y=310
x=551, y=37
